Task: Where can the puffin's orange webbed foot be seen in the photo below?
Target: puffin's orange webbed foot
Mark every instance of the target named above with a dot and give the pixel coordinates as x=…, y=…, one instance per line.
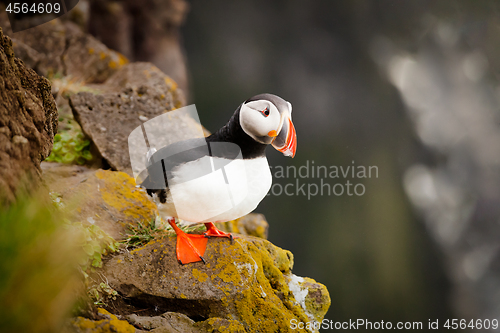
x=212, y=231
x=190, y=248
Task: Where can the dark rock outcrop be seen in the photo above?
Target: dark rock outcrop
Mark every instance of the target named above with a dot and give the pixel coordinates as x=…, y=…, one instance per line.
x=61, y=48
x=169, y=322
x=28, y=121
x=135, y=94
x=166, y=322
x=143, y=31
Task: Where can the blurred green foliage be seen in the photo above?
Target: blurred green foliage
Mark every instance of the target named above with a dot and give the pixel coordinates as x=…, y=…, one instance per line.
x=39, y=257
x=95, y=243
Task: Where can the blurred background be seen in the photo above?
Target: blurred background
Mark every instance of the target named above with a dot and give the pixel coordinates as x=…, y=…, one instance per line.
x=408, y=86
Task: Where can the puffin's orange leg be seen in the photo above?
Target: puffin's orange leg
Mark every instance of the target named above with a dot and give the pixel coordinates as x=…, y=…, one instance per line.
x=212, y=231
x=190, y=248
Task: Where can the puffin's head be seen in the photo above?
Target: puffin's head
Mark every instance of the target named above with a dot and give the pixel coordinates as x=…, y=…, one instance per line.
x=267, y=119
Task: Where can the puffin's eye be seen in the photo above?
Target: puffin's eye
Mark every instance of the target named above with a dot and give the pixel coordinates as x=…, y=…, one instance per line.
x=265, y=112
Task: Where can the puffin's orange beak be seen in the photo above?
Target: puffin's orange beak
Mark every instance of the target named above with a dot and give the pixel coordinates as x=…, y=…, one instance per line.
x=286, y=140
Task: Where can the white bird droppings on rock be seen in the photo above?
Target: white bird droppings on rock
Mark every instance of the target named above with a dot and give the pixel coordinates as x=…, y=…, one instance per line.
x=298, y=292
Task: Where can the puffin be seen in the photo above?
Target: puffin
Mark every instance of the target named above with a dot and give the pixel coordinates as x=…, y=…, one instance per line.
x=221, y=177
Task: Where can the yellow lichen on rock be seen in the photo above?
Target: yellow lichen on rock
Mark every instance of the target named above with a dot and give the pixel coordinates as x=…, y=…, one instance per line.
x=120, y=192
x=268, y=305
x=317, y=300
x=171, y=83
x=119, y=61
x=252, y=225
x=202, y=277
x=105, y=198
x=248, y=281
x=111, y=324
x=221, y=325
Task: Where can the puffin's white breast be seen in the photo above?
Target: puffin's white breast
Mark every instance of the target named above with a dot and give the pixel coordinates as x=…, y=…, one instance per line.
x=222, y=195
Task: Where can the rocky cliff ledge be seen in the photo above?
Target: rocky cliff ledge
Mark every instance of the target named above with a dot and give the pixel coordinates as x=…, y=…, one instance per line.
x=245, y=286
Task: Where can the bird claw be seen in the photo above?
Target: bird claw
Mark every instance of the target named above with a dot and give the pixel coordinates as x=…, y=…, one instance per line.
x=212, y=231
x=230, y=236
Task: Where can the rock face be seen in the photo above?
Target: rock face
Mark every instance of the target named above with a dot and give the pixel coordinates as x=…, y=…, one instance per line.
x=248, y=284
x=63, y=49
x=135, y=94
x=252, y=224
x=107, y=323
x=168, y=321
x=104, y=198
x=28, y=121
x=172, y=322
x=143, y=31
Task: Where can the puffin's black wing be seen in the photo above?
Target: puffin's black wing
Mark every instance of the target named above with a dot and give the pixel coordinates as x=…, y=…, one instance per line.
x=166, y=159
x=172, y=157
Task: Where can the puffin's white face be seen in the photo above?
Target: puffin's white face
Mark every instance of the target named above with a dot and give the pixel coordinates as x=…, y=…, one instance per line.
x=261, y=120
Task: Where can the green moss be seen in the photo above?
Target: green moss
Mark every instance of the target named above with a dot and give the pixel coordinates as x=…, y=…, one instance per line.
x=70, y=144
